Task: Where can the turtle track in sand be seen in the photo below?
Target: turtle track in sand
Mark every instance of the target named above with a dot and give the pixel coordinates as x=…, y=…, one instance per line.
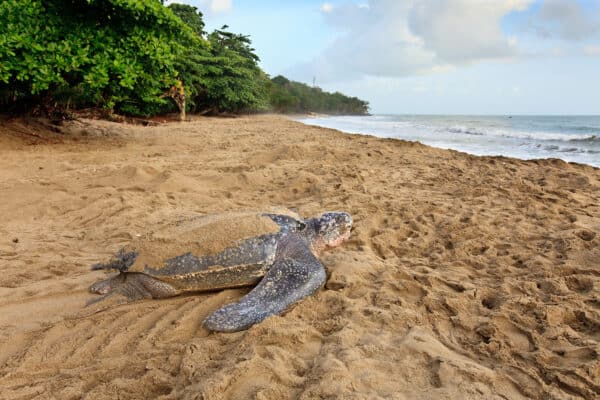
x=131, y=351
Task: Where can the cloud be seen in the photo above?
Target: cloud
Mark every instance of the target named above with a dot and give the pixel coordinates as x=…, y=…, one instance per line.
x=462, y=31
x=218, y=6
x=326, y=7
x=565, y=19
x=592, y=51
x=208, y=7
x=393, y=38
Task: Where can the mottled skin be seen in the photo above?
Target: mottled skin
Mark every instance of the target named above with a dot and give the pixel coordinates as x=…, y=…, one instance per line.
x=284, y=264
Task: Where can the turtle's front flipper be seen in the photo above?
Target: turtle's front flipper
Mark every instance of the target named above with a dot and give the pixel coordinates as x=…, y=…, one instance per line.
x=292, y=277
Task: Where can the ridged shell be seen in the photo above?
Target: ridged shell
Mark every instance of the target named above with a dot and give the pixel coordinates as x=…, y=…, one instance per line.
x=201, y=235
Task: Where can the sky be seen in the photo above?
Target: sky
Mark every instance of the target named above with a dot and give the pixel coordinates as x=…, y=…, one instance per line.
x=430, y=56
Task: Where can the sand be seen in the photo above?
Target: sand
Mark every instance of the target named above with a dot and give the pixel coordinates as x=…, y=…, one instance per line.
x=465, y=277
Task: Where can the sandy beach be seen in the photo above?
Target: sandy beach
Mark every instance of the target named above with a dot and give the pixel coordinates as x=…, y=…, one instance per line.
x=465, y=277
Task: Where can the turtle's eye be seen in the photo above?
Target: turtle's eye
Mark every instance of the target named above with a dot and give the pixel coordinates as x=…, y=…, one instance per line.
x=300, y=226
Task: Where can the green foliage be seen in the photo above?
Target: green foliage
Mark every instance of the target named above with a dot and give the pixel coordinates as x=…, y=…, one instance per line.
x=191, y=16
x=294, y=97
x=224, y=41
x=231, y=80
x=139, y=57
x=223, y=76
x=115, y=53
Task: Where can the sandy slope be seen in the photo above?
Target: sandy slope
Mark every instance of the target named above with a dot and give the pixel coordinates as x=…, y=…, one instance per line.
x=465, y=277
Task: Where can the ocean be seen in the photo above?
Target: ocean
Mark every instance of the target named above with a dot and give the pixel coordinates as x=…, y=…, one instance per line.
x=571, y=138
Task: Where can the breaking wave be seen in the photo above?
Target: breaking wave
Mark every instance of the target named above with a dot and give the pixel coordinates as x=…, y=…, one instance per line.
x=572, y=138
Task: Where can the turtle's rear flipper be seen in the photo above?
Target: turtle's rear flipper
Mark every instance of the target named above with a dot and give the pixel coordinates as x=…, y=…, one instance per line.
x=122, y=290
x=107, y=285
x=133, y=286
x=126, y=287
x=121, y=261
x=290, y=279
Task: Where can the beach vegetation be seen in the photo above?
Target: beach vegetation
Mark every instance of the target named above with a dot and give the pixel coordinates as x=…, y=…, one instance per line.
x=288, y=96
x=224, y=76
x=138, y=57
x=116, y=54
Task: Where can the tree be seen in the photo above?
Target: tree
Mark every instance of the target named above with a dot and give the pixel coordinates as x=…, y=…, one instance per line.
x=131, y=56
x=232, y=80
x=294, y=97
x=119, y=54
x=190, y=16
x=223, y=76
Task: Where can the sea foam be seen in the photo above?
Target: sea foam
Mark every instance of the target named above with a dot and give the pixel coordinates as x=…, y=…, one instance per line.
x=571, y=138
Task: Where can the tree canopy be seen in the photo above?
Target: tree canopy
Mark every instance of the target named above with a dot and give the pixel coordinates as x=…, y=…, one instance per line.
x=117, y=54
x=224, y=76
x=294, y=97
x=138, y=57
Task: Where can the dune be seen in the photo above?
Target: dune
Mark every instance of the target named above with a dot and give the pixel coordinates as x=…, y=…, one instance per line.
x=465, y=277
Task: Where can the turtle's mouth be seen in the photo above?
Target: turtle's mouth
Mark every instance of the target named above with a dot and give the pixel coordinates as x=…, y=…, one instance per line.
x=323, y=244
x=332, y=229
x=340, y=239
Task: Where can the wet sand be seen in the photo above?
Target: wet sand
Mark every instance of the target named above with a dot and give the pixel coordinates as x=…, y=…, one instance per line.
x=465, y=277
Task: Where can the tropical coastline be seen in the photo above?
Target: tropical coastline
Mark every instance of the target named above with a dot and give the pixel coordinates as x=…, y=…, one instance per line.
x=465, y=277
x=570, y=138
x=155, y=154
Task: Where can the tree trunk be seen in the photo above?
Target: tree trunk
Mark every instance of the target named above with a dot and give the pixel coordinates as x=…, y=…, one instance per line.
x=182, y=109
x=177, y=93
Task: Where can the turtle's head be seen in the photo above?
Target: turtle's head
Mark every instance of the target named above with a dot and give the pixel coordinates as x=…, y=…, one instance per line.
x=330, y=229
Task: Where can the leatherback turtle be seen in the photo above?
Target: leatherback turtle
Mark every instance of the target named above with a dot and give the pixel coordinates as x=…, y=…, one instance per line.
x=210, y=252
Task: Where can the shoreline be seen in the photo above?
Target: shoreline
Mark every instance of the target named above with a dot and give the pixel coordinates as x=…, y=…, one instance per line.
x=468, y=144
x=465, y=276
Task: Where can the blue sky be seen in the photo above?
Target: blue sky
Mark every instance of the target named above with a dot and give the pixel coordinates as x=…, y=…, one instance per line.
x=430, y=56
